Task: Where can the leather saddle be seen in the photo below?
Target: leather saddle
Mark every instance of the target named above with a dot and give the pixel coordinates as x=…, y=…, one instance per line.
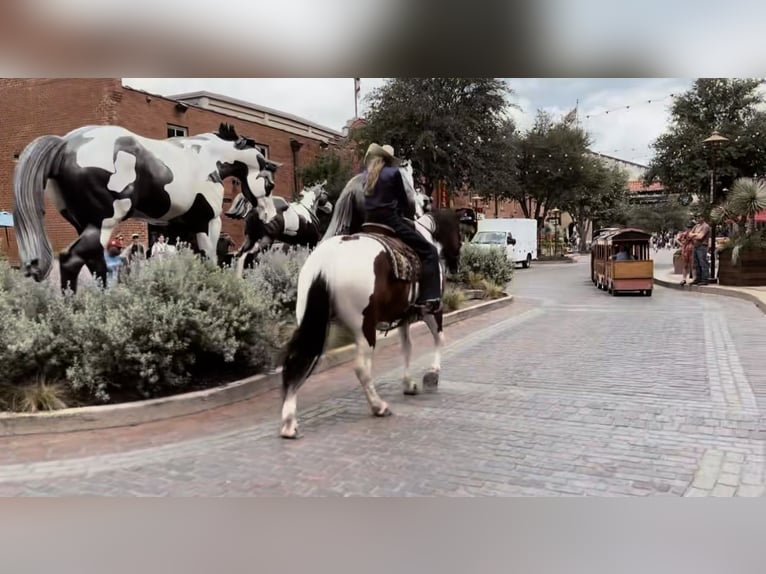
x=405, y=263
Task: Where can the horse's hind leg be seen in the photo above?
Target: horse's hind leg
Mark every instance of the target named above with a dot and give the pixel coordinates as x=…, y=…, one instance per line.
x=363, y=370
x=86, y=249
x=435, y=325
x=411, y=387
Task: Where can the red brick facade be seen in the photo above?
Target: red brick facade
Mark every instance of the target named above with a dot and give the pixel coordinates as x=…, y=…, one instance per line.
x=33, y=107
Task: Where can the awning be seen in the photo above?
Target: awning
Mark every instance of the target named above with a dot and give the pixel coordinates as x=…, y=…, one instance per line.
x=6, y=219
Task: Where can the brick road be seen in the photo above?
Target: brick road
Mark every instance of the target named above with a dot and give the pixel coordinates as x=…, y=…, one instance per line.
x=568, y=391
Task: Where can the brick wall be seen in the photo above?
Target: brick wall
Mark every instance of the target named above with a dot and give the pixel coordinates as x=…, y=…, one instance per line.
x=33, y=107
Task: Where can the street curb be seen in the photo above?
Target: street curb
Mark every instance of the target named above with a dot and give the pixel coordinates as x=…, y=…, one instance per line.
x=713, y=290
x=152, y=410
x=554, y=262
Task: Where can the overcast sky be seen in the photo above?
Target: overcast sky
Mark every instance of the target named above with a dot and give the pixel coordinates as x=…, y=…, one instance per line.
x=624, y=132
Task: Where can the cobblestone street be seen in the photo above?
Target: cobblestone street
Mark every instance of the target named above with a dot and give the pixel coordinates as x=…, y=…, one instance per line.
x=568, y=391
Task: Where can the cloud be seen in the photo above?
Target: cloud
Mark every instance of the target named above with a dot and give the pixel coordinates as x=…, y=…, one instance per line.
x=624, y=132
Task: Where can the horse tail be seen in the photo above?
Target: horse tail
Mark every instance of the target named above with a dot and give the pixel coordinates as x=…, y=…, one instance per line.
x=342, y=218
x=29, y=180
x=314, y=309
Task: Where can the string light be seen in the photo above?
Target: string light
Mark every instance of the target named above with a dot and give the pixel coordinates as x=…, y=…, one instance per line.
x=627, y=107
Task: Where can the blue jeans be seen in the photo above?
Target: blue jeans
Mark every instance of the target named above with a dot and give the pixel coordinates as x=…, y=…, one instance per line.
x=700, y=263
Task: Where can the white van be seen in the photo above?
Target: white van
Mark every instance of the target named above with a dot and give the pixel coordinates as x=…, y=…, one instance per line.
x=519, y=236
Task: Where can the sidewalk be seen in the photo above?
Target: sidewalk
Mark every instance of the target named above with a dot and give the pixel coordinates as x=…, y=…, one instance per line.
x=757, y=295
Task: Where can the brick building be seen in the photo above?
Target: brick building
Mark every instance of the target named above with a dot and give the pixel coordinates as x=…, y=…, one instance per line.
x=33, y=107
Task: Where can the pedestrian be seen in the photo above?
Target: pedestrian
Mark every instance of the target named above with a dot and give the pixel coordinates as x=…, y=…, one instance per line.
x=700, y=236
x=115, y=262
x=685, y=242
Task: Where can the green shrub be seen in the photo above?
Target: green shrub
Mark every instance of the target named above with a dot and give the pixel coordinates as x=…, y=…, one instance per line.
x=34, y=329
x=178, y=318
x=276, y=276
x=491, y=263
x=174, y=325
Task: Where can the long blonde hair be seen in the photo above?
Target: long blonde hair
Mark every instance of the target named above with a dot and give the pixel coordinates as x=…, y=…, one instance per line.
x=374, y=166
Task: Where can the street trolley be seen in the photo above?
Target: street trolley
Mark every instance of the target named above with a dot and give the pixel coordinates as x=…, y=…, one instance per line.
x=596, y=235
x=621, y=261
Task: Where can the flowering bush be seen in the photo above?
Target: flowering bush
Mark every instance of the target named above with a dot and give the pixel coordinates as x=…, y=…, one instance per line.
x=177, y=324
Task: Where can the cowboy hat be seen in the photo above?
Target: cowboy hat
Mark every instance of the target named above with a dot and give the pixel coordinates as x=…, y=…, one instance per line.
x=385, y=151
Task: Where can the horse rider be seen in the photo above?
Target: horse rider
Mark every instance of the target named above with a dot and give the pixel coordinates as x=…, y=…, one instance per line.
x=386, y=203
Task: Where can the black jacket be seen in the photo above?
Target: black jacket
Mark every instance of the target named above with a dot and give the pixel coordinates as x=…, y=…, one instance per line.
x=389, y=194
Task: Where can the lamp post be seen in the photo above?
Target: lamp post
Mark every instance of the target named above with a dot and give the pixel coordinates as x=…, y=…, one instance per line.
x=714, y=142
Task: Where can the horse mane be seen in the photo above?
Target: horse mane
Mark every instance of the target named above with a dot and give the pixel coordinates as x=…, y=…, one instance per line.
x=445, y=220
x=227, y=133
x=349, y=203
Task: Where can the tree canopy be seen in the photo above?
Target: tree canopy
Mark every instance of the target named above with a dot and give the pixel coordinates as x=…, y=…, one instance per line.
x=331, y=166
x=730, y=106
x=441, y=124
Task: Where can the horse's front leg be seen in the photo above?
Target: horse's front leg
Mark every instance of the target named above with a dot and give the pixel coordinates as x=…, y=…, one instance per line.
x=410, y=387
x=435, y=325
x=207, y=242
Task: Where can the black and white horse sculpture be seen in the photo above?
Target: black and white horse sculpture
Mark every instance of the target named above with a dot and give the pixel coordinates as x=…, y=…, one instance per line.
x=301, y=222
x=98, y=176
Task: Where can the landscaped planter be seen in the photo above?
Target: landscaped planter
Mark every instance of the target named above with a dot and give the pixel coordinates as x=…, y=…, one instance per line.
x=750, y=270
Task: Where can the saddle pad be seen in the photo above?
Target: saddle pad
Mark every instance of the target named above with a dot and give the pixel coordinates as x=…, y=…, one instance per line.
x=405, y=262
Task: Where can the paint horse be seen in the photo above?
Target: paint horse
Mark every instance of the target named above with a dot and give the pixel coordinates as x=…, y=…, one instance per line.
x=349, y=215
x=368, y=282
x=296, y=223
x=98, y=176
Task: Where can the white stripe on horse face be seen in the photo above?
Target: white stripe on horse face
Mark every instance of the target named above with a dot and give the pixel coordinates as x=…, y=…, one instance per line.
x=124, y=172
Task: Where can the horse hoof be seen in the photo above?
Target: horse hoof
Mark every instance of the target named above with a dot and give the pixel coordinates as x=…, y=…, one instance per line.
x=290, y=433
x=431, y=379
x=410, y=387
x=384, y=412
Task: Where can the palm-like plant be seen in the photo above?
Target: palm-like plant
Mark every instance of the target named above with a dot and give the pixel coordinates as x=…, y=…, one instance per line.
x=747, y=198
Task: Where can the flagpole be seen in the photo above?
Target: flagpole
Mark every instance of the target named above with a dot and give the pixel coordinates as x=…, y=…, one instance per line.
x=357, y=88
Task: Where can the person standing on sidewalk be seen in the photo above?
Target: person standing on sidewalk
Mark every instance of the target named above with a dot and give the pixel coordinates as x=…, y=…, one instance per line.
x=686, y=243
x=701, y=237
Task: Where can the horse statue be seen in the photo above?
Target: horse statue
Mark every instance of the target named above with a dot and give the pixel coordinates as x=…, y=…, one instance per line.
x=348, y=215
x=298, y=223
x=99, y=176
x=368, y=282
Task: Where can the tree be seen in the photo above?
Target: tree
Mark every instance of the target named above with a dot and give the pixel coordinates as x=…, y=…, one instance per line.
x=550, y=163
x=331, y=166
x=600, y=197
x=496, y=177
x=670, y=216
x=683, y=163
x=440, y=124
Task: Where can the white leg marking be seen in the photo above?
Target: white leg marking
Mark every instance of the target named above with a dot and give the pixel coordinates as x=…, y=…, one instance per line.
x=431, y=378
x=410, y=387
x=363, y=370
x=289, y=417
x=124, y=172
x=121, y=208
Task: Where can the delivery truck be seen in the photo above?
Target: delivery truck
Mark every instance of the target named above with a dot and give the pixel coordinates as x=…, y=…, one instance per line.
x=516, y=235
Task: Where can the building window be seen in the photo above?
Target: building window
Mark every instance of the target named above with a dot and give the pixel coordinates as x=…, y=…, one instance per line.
x=177, y=131
x=264, y=149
